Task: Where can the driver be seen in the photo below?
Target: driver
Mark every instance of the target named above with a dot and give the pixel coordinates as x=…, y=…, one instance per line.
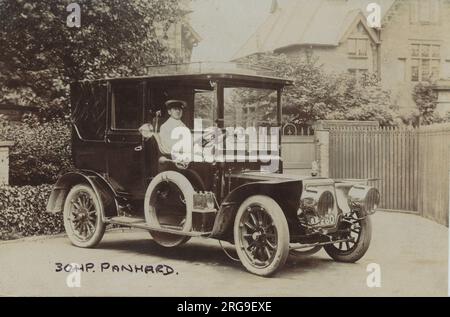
x=175, y=110
x=167, y=143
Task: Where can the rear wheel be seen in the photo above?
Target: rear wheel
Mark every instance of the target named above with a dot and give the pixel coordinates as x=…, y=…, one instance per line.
x=359, y=229
x=83, y=217
x=261, y=235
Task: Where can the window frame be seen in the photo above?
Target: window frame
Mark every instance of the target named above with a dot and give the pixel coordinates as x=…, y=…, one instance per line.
x=139, y=86
x=419, y=59
x=357, y=42
x=78, y=95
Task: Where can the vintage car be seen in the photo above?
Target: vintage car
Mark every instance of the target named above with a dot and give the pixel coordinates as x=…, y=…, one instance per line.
x=124, y=178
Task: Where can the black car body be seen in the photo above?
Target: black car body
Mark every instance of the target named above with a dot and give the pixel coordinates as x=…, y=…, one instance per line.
x=123, y=178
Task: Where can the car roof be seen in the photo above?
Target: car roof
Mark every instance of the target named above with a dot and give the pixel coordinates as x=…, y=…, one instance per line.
x=201, y=72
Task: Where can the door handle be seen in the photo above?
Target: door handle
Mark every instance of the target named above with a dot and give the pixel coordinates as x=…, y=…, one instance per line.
x=138, y=148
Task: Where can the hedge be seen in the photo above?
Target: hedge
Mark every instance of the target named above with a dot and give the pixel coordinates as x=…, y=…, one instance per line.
x=41, y=151
x=22, y=212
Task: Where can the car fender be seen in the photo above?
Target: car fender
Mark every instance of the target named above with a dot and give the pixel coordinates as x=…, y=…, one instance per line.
x=285, y=193
x=343, y=190
x=101, y=187
x=183, y=184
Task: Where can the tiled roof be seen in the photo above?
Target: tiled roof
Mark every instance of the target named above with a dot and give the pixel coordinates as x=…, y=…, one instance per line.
x=306, y=22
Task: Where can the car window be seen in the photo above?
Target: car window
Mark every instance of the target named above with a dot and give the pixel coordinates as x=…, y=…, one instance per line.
x=205, y=107
x=89, y=109
x=250, y=107
x=126, y=107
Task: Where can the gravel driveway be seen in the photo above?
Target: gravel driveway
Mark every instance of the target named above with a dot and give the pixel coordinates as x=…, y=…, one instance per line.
x=412, y=253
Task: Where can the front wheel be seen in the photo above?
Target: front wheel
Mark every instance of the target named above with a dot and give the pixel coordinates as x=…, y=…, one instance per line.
x=83, y=217
x=261, y=235
x=359, y=228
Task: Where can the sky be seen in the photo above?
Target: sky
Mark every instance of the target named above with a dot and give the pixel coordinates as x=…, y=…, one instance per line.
x=225, y=25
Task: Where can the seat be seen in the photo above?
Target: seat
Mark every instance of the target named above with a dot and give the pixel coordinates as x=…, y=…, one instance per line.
x=159, y=160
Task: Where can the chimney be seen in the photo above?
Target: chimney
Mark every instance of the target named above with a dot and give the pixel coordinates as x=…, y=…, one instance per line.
x=274, y=6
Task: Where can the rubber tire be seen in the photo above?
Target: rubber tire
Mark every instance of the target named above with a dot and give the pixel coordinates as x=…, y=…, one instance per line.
x=280, y=222
x=100, y=225
x=168, y=240
x=361, y=247
x=303, y=254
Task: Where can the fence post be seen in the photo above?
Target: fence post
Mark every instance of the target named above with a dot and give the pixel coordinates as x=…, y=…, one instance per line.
x=4, y=161
x=322, y=138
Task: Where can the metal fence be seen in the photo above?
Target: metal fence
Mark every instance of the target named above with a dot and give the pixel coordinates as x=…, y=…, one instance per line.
x=411, y=165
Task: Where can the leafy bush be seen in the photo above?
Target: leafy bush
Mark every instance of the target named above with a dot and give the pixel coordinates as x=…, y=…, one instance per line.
x=318, y=95
x=426, y=100
x=22, y=212
x=40, y=55
x=41, y=151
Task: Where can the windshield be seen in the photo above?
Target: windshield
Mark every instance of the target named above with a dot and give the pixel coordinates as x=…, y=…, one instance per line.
x=248, y=131
x=250, y=128
x=243, y=107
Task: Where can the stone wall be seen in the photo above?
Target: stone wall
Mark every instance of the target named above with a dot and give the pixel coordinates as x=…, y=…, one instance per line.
x=4, y=162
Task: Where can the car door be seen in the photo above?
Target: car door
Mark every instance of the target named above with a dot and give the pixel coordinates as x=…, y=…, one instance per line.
x=126, y=155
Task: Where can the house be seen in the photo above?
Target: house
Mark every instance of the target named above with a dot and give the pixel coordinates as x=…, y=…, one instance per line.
x=181, y=37
x=412, y=44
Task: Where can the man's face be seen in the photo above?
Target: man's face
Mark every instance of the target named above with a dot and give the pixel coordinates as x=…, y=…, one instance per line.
x=176, y=113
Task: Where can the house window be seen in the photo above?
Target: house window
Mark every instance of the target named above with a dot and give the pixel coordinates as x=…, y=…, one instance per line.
x=425, y=62
x=415, y=70
x=357, y=47
x=447, y=70
x=425, y=11
x=358, y=71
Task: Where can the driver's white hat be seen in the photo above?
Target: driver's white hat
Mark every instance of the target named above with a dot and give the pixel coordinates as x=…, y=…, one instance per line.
x=176, y=104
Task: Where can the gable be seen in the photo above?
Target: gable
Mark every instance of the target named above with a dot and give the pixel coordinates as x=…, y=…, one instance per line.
x=359, y=28
x=311, y=23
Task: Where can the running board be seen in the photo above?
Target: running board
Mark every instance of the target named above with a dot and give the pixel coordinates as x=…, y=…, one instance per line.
x=141, y=224
x=319, y=244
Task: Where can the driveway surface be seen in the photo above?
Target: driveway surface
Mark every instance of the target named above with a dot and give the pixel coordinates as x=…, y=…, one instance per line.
x=412, y=254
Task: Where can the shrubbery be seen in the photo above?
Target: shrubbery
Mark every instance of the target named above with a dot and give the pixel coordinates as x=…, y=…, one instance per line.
x=22, y=212
x=319, y=95
x=41, y=151
x=426, y=99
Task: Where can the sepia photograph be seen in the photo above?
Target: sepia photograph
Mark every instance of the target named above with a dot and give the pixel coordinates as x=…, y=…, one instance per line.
x=224, y=149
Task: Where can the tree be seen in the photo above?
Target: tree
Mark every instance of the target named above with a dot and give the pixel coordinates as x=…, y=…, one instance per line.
x=40, y=54
x=426, y=99
x=317, y=95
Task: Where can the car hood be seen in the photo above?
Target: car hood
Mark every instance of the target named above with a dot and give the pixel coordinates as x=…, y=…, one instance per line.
x=258, y=176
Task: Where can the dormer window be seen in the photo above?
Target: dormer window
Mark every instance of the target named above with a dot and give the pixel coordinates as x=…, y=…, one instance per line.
x=358, y=47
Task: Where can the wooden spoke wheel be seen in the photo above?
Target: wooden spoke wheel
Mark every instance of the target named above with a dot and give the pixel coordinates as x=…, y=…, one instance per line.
x=359, y=232
x=83, y=217
x=261, y=235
